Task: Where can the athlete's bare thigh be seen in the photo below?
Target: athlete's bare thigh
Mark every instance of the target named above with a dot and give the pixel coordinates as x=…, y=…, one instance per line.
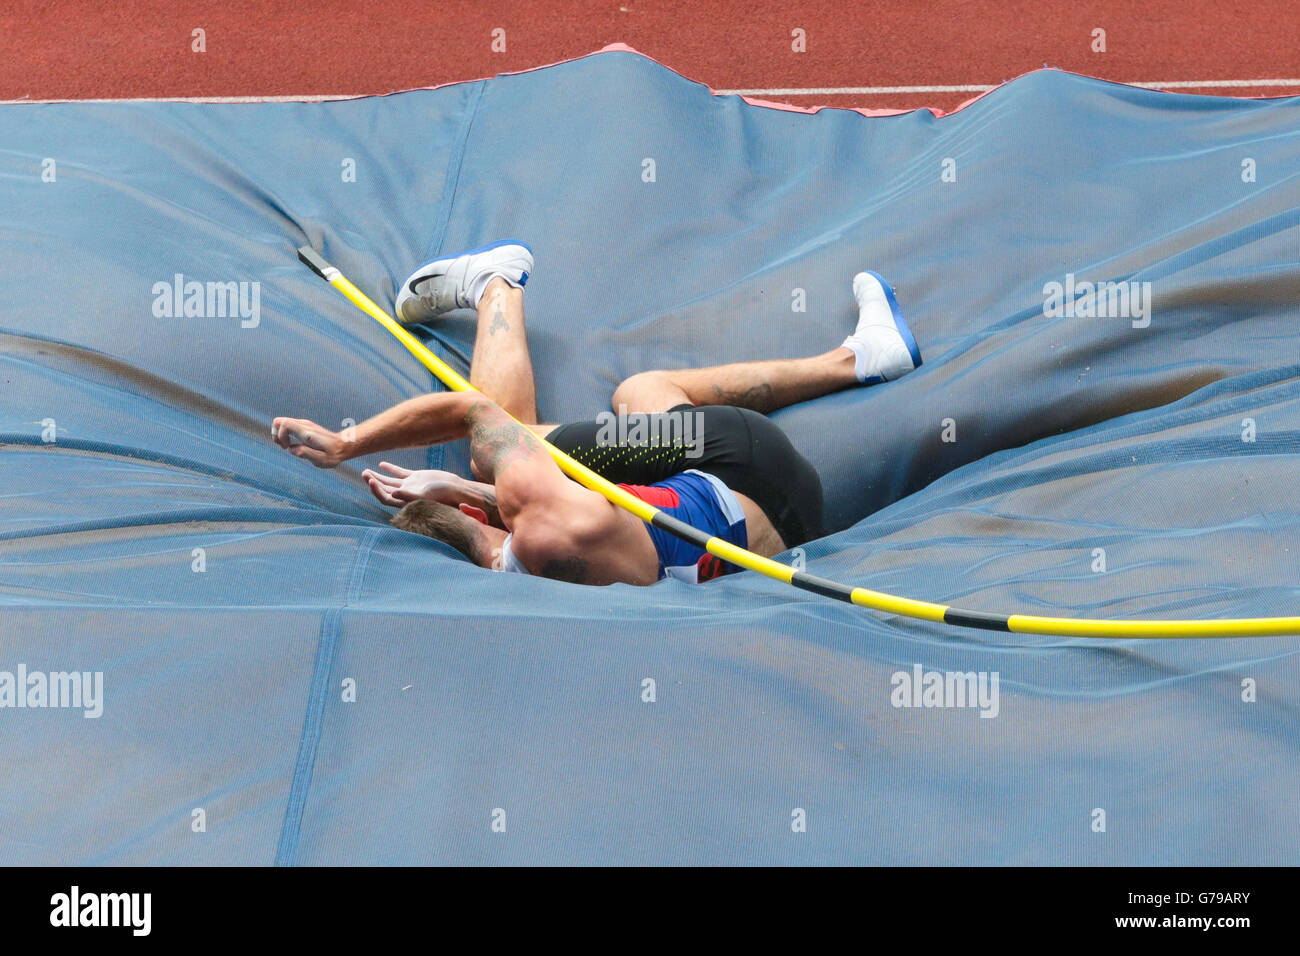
x=763, y=538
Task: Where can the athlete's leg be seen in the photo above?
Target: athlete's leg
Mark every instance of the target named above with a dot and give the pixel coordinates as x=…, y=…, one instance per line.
x=880, y=349
x=762, y=386
x=502, y=368
x=491, y=280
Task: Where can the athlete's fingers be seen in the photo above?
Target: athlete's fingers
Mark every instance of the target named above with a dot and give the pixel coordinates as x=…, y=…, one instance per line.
x=290, y=431
x=278, y=434
x=313, y=439
x=382, y=495
x=316, y=456
x=382, y=492
x=285, y=431
x=397, y=470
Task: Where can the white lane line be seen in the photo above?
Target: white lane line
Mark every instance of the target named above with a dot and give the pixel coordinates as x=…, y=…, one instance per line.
x=794, y=91
x=304, y=98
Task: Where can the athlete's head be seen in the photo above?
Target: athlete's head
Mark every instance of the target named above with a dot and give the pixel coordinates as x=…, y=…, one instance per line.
x=471, y=536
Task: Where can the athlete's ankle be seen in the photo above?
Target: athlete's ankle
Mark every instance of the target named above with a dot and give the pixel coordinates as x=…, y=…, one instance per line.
x=497, y=284
x=844, y=361
x=493, y=286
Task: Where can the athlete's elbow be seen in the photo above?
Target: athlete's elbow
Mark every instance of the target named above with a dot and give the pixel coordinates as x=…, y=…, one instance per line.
x=476, y=408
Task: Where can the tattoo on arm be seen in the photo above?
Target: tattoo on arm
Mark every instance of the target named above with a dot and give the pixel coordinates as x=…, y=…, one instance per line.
x=496, y=441
x=759, y=398
x=485, y=497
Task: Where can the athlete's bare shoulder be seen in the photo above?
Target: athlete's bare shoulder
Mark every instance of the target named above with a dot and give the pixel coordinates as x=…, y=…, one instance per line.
x=591, y=543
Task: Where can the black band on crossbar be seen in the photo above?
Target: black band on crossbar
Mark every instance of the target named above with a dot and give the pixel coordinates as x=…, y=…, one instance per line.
x=980, y=619
x=680, y=529
x=823, y=586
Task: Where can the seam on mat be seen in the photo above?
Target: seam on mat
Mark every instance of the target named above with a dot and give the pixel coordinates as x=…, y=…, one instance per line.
x=287, y=850
x=435, y=457
x=454, y=164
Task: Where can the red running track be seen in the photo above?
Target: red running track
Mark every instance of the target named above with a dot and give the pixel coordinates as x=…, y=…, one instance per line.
x=65, y=49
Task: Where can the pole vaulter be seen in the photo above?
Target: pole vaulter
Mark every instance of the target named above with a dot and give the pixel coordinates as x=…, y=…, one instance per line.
x=863, y=597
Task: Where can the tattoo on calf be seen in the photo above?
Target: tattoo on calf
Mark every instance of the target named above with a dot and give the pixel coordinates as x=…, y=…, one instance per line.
x=499, y=323
x=759, y=398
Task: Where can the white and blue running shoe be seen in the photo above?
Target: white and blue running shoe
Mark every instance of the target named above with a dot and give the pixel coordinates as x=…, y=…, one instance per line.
x=882, y=342
x=451, y=282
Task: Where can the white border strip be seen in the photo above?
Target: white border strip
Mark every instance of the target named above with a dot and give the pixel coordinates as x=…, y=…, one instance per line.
x=793, y=91
x=861, y=90
x=985, y=87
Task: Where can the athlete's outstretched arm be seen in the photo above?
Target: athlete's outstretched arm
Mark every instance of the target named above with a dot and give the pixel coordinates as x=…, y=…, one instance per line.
x=556, y=521
x=417, y=422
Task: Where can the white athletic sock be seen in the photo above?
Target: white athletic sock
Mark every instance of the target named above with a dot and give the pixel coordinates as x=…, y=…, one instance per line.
x=481, y=284
x=861, y=355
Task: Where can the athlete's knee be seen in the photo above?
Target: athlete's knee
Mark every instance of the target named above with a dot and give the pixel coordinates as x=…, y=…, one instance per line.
x=652, y=391
x=632, y=389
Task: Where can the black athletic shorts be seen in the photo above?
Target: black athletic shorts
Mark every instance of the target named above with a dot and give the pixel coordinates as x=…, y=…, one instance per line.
x=746, y=450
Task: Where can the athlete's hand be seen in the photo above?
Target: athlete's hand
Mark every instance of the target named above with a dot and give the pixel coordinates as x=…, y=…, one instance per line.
x=307, y=440
x=402, y=485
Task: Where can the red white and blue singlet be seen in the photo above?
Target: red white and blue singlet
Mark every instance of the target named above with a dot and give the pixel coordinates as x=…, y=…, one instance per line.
x=704, y=502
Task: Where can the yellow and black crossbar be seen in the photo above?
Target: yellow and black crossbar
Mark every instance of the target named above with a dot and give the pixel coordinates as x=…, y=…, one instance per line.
x=876, y=600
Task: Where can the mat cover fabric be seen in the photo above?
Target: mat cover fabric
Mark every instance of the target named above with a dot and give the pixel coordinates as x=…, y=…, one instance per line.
x=329, y=690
